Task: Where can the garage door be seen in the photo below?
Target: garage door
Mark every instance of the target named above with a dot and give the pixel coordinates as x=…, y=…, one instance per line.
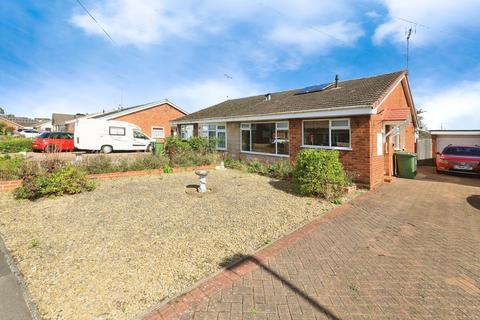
x=443, y=141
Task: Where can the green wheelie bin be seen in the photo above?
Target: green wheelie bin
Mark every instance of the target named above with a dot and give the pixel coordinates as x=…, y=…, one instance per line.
x=158, y=148
x=406, y=164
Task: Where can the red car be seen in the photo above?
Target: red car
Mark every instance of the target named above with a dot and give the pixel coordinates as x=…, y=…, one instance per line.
x=459, y=159
x=53, y=142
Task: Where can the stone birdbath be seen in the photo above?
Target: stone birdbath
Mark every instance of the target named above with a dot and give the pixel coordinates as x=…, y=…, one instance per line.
x=202, y=175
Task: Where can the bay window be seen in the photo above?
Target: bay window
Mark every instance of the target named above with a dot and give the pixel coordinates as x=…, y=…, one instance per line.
x=333, y=134
x=217, y=132
x=265, y=138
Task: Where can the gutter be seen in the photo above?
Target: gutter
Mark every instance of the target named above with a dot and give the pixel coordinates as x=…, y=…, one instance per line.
x=326, y=112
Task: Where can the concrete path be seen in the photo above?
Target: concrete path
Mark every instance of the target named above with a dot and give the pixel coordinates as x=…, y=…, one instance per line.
x=410, y=250
x=12, y=302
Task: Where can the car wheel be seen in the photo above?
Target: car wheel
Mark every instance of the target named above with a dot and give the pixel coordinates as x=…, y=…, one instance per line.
x=150, y=148
x=51, y=148
x=106, y=149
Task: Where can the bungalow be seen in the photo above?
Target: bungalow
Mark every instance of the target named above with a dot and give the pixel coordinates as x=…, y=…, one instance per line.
x=152, y=118
x=365, y=119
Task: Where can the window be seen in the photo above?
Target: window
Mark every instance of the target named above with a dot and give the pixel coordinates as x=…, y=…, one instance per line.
x=116, y=131
x=138, y=135
x=216, y=131
x=158, y=133
x=327, y=133
x=186, y=131
x=265, y=137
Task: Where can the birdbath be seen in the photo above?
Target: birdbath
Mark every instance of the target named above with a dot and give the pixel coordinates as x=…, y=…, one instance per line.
x=202, y=175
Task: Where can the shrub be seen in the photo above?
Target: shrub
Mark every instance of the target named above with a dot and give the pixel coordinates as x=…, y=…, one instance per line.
x=233, y=164
x=190, y=158
x=97, y=164
x=10, y=167
x=167, y=169
x=319, y=172
x=13, y=145
x=148, y=162
x=279, y=170
x=67, y=180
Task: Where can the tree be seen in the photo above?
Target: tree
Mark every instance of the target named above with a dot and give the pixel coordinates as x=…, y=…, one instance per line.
x=421, y=120
x=3, y=127
x=2, y=111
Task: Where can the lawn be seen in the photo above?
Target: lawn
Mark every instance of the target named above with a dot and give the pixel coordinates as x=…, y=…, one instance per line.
x=117, y=251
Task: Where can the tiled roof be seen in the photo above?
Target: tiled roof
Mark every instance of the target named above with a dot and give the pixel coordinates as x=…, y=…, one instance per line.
x=396, y=114
x=362, y=92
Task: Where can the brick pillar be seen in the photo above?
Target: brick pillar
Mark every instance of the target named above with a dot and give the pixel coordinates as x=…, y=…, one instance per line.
x=434, y=147
x=196, y=132
x=295, y=138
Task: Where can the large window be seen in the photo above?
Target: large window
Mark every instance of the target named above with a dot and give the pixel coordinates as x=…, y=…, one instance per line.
x=116, y=131
x=186, y=131
x=327, y=133
x=265, y=137
x=216, y=131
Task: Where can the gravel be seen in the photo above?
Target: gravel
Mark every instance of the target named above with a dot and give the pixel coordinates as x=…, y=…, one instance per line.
x=117, y=251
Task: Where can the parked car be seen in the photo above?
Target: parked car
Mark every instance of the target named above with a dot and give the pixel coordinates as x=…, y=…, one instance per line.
x=28, y=133
x=53, y=142
x=110, y=135
x=459, y=159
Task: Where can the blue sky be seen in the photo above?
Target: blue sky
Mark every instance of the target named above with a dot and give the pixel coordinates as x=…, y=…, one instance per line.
x=54, y=58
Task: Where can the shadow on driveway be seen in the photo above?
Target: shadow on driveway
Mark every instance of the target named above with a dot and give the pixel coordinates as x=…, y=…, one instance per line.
x=474, y=201
x=239, y=259
x=429, y=174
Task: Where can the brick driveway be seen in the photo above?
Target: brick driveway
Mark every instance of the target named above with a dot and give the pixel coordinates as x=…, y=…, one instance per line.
x=410, y=250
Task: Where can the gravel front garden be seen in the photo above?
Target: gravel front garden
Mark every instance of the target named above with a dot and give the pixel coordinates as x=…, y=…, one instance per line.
x=115, y=252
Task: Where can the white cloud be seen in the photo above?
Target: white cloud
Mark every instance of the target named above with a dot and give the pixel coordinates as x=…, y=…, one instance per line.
x=441, y=17
x=317, y=39
x=144, y=22
x=453, y=108
x=201, y=93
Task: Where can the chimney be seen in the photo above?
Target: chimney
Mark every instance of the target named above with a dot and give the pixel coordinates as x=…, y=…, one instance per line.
x=336, y=81
x=268, y=97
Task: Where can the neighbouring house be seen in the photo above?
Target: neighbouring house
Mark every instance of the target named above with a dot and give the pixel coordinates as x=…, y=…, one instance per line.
x=11, y=125
x=152, y=118
x=64, y=122
x=365, y=119
x=442, y=138
x=44, y=125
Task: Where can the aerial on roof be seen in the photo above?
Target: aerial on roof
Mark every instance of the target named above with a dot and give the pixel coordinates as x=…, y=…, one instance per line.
x=358, y=93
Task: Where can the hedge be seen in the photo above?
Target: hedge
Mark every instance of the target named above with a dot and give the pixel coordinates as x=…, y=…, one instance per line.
x=13, y=145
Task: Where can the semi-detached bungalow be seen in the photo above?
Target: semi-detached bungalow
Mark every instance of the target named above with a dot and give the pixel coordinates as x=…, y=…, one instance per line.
x=365, y=119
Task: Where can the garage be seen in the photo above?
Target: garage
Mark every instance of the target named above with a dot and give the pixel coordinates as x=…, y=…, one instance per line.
x=442, y=138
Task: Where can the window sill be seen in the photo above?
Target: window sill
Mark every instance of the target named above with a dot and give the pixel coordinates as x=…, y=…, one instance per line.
x=327, y=148
x=265, y=154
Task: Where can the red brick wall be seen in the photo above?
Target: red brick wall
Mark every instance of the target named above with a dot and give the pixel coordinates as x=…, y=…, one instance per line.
x=356, y=160
x=159, y=116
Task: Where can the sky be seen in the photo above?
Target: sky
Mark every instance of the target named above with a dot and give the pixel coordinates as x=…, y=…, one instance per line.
x=196, y=53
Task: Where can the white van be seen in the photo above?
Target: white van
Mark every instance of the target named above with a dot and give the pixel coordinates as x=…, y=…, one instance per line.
x=110, y=135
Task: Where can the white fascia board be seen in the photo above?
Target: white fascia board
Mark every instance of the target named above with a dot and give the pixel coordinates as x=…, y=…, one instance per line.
x=140, y=108
x=455, y=132
x=323, y=113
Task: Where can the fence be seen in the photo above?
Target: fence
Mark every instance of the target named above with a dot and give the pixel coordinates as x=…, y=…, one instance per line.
x=424, y=152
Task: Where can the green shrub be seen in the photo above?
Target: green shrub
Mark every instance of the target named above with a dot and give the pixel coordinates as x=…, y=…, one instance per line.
x=98, y=164
x=167, y=169
x=13, y=145
x=10, y=167
x=190, y=158
x=67, y=180
x=319, y=172
x=233, y=164
x=199, y=144
x=175, y=143
x=148, y=162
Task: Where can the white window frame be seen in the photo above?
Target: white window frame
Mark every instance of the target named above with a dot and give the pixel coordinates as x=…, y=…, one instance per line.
x=247, y=126
x=183, y=129
x=157, y=128
x=116, y=128
x=329, y=147
x=207, y=125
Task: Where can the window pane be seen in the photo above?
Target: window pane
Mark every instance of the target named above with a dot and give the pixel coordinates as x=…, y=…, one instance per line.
x=245, y=140
x=263, y=137
x=282, y=125
x=116, y=131
x=212, y=135
x=246, y=126
x=221, y=144
x=315, y=133
x=220, y=127
x=339, y=123
x=212, y=127
x=282, y=141
x=158, y=133
x=341, y=138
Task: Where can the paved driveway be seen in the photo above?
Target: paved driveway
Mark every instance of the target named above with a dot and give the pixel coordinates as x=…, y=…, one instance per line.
x=410, y=250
